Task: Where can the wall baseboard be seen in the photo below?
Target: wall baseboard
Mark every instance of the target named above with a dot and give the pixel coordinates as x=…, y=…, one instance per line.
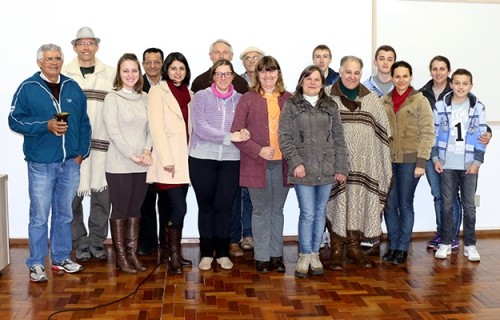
x=415, y=235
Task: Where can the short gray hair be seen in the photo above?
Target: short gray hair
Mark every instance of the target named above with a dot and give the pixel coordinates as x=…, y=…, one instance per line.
x=221, y=41
x=48, y=47
x=351, y=58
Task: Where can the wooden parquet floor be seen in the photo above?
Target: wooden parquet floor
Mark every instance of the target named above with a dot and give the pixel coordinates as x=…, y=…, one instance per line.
x=424, y=288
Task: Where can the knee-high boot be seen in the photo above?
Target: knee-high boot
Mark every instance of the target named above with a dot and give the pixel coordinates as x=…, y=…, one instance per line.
x=165, y=252
x=354, y=250
x=118, y=230
x=336, y=252
x=133, y=225
x=174, y=248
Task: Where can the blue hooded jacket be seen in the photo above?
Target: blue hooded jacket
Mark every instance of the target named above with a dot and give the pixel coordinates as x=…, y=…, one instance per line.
x=34, y=105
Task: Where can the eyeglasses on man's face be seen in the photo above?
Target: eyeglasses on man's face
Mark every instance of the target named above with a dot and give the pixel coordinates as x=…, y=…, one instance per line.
x=152, y=63
x=223, y=74
x=82, y=44
x=252, y=59
x=52, y=59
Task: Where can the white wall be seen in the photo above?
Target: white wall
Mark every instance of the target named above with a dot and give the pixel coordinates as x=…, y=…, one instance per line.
x=288, y=33
x=283, y=29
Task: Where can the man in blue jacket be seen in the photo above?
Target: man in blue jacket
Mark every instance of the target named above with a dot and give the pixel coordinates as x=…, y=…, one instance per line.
x=54, y=149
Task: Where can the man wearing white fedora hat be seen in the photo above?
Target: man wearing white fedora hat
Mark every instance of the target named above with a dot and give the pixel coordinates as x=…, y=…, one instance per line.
x=96, y=80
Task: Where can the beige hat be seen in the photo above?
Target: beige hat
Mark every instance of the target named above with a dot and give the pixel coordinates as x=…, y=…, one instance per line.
x=85, y=32
x=251, y=49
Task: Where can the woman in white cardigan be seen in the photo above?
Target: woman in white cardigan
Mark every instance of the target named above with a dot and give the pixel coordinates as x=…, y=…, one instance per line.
x=128, y=156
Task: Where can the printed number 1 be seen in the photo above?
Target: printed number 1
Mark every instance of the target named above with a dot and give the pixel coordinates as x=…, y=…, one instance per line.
x=459, y=132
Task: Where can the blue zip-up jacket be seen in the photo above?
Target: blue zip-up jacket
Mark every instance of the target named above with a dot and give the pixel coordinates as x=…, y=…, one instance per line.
x=34, y=105
x=332, y=77
x=371, y=85
x=476, y=126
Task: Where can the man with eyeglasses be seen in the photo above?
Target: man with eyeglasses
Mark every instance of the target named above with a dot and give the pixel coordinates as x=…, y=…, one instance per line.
x=96, y=80
x=54, y=150
x=152, y=61
x=220, y=49
x=250, y=57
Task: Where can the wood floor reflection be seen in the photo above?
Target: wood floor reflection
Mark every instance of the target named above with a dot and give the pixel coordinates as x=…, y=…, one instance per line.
x=424, y=288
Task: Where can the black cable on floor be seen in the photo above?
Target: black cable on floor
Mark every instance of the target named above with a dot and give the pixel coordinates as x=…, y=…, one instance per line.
x=111, y=302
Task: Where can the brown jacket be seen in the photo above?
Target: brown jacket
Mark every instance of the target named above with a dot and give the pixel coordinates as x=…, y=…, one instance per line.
x=412, y=129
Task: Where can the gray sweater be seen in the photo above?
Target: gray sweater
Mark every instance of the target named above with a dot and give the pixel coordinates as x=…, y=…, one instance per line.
x=126, y=120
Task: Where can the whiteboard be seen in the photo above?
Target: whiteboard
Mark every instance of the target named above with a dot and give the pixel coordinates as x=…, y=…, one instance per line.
x=466, y=32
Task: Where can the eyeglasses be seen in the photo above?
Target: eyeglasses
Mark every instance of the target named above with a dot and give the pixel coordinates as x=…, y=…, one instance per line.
x=250, y=59
x=82, y=44
x=155, y=63
x=52, y=59
x=223, y=74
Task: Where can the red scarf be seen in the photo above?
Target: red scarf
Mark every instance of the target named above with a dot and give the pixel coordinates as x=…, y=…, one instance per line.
x=398, y=100
x=181, y=94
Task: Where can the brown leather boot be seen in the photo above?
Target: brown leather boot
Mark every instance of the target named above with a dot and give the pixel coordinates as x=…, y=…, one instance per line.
x=354, y=250
x=118, y=230
x=174, y=248
x=133, y=225
x=165, y=253
x=336, y=252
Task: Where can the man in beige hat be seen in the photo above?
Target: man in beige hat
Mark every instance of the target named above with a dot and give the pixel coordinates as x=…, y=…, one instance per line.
x=250, y=57
x=96, y=80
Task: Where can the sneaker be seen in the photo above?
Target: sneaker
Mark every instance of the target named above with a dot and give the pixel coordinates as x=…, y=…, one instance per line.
x=67, y=266
x=471, y=253
x=205, y=263
x=235, y=250
x=225, y=263
x=83, y=254
x=434, y=243
x=302, y=267
x=37, y=273
x=247, y=243
x=443, y=251
x=455, y=245
x=369, y=242
x=98, y=252
x=315, y=265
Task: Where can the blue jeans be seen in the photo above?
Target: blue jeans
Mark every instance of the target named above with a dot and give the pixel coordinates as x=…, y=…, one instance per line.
x=451, y=182
x=399, y=214
x=434, y=180
x=51, y=186
x=312, y=203
x=241, y=219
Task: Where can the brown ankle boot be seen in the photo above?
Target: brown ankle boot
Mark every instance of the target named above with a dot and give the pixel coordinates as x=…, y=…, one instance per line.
x=336, y=252
x=174, y=248
x=354, y=250
x=133, y=225
x=118, y=230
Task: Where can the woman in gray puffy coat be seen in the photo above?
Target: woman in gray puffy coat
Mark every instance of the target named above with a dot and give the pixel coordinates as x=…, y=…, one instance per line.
x=311, y=137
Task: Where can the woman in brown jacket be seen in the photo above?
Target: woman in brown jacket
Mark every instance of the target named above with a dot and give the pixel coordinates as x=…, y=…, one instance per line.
x=412, y=127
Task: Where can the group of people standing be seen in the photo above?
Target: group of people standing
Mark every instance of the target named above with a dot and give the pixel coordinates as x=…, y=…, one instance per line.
x=350, y=155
